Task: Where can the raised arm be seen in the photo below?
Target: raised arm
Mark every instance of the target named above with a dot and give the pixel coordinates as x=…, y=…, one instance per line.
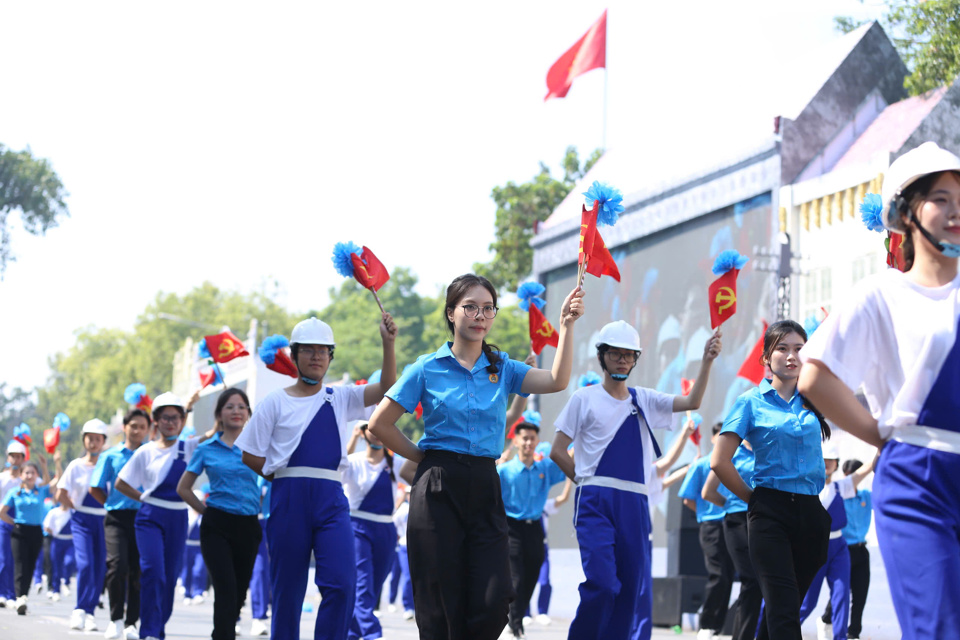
x=721, y=461
x=692, y=401
x=861, y=474
x=675, y=477
x=373, y=393
x=837, y=402
x=557, y=378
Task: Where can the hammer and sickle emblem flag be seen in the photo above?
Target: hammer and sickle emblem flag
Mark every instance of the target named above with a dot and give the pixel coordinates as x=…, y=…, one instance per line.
x=723, y=298
x=225, y=346
x=542, y=332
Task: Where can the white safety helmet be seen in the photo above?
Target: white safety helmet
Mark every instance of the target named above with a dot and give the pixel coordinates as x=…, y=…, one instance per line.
x=16, y=447
x=94, y=426
x=830, y=451
x=926, y=159
x=168, y=399
x=312, y=331
x=621, y=335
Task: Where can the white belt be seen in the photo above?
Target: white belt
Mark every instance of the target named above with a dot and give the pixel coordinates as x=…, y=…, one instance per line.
x=372, y=517
x=614, y=483
x=57, y=536
x=836, y=534
x=90, y=511
x=307, y=472
x=929, y=437
x=193, y=543
x=176, y=505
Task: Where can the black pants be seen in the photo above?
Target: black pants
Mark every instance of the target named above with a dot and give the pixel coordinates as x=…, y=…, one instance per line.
x=123, y=565
x=229, y=544
x=719, y=575
x=747, y=617
x=526, y=558
x=859, y=585
x=789, y=536
x=458, y=548
x=26, y=542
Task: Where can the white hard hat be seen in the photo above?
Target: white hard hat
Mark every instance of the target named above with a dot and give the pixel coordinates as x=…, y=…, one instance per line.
x=619, y=334
x=94, y=426
x=312, y=331
x=16, y=447
x=830, y=451
x=167, y=400
x=926, y=159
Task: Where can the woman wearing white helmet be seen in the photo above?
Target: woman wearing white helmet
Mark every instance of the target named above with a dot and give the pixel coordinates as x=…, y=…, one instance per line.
x=297, y=437
x=150, y=477
x=898, y=338
x=610, y=425
x=86, y=524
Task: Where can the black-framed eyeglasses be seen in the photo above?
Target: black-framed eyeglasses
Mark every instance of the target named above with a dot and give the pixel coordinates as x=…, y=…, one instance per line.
x=170, y=418
x=312, y=350
x=473, y=311
x=623, y=356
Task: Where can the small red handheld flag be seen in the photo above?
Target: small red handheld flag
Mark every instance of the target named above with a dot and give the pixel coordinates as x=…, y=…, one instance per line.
x=589, y=52
x=723, y=291
x=283, y=364
x=368, y=270
x=51, y=438
x=542, y=332
x=751, y=369
x=225, y=346
x=601, y=262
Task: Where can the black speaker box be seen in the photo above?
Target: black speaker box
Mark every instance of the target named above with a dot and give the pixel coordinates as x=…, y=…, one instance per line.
x=672, y=597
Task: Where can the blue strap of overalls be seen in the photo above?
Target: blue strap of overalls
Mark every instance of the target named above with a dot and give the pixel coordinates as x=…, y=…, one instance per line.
x=636, y=405
x=180, y=453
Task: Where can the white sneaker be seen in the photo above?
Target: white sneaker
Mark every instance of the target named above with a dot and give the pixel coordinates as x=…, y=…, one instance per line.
x=706, y=634
x=236, y=630
x=392, y=608
x=543, y=619
x=56, y=597
x=259, y=628
x=113, y=630
x=90, y=624
x=198, y=599
x=408, y=614
x=22, y=606
x=527, y=620
x=77, y=619
x=131, y=633
x=824, y=630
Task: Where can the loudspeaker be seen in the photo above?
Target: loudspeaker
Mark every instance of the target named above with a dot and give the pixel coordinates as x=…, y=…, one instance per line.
x=672, y=597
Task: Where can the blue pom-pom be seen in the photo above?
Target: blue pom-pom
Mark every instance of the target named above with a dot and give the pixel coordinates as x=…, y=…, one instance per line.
x=810, y=325
x=532, y=417
x=543, y=449
x=134, y=393
x=374, y=377
x=22, y=430
x=269, y=347
x=728, y=260
x=697, y=419
x=530, y=292
x=610, y=200
x=341, y=258
x=871, y=212
x=187, y=432
x=589, y=379
x=61, y=421
x=202, y=351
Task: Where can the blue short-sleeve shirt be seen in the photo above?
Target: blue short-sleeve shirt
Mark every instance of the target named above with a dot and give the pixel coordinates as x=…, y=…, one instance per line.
x=744, y=461
x=26, y=507
x=463, y=411
x=693, y=486
x=785, y=438
x=859, y=512
x=525, y=489
x=104, y=477
x=233, y=485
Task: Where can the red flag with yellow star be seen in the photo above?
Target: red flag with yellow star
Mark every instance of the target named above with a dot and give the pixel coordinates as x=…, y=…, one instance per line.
x=542, y=332
x=368, y=270
x=225, y=346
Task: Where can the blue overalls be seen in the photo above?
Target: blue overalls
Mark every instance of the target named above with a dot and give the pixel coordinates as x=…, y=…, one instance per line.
x=836, y=571
x=612, y=521
x=375, y=544
x=7, y=590
x=161, y=537
x=260, y=580
x=194, y=574
x=90, y=551
x=309, y=512
x=916, y=508
x=61, y=544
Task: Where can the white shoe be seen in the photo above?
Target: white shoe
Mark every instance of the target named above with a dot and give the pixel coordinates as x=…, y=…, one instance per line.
x=56, y=597
x=527, y=620
x=392, y=608
x=706, y=634
x=131, y=633
x=77, y=619
x=22, y=606
x=114, y=630
x=198, y=599
x=236, y=630
x=90, y=624
x=408, y=614
x=543, y=619
x=259, y=628
x=824, y=630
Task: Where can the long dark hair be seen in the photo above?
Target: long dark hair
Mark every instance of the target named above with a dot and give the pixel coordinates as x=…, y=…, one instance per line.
x=907, y=205
x=777, y=332
x=455, y=292
x=222, y=402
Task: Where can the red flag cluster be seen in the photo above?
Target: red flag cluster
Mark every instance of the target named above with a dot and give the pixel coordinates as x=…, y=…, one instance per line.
x=593, y=251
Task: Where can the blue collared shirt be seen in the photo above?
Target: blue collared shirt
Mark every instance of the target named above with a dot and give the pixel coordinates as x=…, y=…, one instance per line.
x=104, y=477
x=26, y=507
x=744, y=461
x=785, y=438
x=463, y=411
x=693, y=486
x=233, y=485
x=859, y=512
x=525, y=488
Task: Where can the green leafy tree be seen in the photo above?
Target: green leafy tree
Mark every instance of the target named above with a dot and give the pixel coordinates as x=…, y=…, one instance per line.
x=927, y=36
x=17, y=405
x=519, y=208
x=31, y=186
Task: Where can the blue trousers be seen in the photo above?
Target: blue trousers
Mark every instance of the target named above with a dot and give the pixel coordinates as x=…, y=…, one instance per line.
x=194, y=575
x=395, y=577
x=90, y=551
x=613, y=527
x=7, y=591
x=260, y=580
x=375, y=548
x=59, y=550
x=837, y=573
x=406, y=586
x=308, y=514
x=161, y=537
x=917, y=514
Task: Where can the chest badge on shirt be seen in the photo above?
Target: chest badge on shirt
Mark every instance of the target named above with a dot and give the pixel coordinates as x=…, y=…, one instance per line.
x=542, y=476
x=494, y=378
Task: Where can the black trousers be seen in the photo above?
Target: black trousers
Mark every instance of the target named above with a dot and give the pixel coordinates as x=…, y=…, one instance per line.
x=526, y=558
x=719, y=575
x=229, y=544
x=789, y=536
x=123, y=565
x=859, y=586
x=747, y=617
x=26, y=542
x=458, y=548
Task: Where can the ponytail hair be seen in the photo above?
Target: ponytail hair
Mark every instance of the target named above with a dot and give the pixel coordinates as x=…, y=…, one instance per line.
x=455, y=293
x=777, y=332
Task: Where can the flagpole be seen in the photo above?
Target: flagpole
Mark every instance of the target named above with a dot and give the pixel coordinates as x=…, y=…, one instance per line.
x=604, y=145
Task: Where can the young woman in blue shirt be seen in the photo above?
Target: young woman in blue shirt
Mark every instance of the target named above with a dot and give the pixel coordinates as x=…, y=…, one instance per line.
x=457, y=529
x=26, y=504
x=787, y=525
x=230, y=530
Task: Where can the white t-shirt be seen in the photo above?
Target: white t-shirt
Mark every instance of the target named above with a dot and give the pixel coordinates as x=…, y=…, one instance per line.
x=400, y=521
x=893, y=336
x=56, y=519
x=359, y=476
x=7, y=482
x=76, y=480
x=149, y=465
x=275, y=428
x=592, y=418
